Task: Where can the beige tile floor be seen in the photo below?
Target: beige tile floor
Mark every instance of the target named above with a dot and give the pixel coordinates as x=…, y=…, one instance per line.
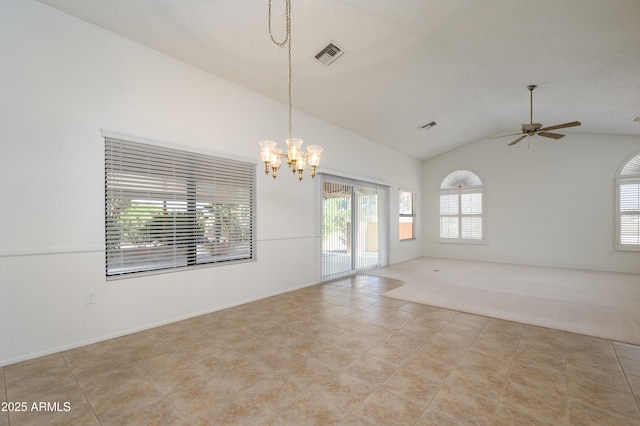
x=336, y=353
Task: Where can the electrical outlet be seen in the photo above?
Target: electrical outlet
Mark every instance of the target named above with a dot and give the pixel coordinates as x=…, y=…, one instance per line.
x=90, y=297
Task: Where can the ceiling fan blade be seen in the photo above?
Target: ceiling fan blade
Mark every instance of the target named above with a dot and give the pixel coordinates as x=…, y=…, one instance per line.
x=561, y=126
x=504, y=136
x=517, y=140
x=551, y=135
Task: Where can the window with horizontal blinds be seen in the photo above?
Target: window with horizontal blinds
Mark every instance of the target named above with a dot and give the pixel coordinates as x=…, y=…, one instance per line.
x=461, y=207
x=166, y=208
x=628, y=205
x=630, y=214
x=449, y=217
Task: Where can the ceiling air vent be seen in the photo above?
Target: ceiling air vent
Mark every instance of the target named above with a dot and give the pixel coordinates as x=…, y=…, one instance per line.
x=428, y=125
x=329, y=54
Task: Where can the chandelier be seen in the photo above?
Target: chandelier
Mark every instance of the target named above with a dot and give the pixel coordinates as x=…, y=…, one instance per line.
x=297, y=159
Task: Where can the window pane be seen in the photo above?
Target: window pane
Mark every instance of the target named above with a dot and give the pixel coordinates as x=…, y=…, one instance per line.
x=449, y=227
x=406, y=202
x=471, y=203
x=472, y=228
x=406, y=228
x=630, y=197
x=630, y=229
x=449, y=204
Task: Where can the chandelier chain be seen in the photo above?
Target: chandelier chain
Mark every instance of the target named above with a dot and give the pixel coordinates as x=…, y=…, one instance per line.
x=297, y=159
x=287, y=41
x=287, y=15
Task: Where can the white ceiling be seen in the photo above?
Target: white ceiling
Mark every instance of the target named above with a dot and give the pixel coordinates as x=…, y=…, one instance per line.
x=463, y=63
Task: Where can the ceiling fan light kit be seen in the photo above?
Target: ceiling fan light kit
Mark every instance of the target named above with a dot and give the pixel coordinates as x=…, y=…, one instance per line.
x=533, y=129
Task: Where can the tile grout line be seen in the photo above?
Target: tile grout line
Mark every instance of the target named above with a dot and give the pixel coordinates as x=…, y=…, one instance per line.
x=6, y=396
x=153, y=386
x=406, y=361
x=626, y=378
x=380, y=386
x=444, y=383
x=506, y=381
x=80, y=388
x=566, y=382
x=376, y=387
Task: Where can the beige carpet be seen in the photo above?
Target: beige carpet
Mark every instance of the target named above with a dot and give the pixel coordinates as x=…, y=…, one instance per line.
x=595, y=303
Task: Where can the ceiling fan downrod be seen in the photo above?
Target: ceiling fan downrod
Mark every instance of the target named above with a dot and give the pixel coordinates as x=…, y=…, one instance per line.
x=531, y=87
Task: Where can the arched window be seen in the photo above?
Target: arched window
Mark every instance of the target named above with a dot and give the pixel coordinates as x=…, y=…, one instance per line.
x=628, y=205
x=461, y=208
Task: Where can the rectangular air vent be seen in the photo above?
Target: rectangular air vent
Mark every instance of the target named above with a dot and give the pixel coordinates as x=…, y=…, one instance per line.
x=429, y=125
x=329, y=54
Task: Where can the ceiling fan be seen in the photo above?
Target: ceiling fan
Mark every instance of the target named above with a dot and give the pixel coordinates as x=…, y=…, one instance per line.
x=533, y=129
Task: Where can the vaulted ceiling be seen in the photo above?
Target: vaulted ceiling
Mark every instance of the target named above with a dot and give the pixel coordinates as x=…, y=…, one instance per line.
x=464, y=64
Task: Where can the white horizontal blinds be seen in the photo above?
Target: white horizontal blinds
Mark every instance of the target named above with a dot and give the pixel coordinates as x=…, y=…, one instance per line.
x=628, y=186
x=471, y=215
x=449, y=220
x=629, y=218
x=354, y=225
x=461, y=207
x=166, y=208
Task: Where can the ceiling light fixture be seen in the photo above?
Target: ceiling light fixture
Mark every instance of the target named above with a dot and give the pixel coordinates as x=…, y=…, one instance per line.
x=272, y=156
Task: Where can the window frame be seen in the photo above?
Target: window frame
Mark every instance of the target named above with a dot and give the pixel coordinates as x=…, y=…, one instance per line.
x=168, y=209
x=411, y=215
x=460, y=183
x=628, y=174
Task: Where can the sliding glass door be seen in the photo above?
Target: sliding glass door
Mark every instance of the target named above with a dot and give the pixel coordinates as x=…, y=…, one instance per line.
x=354, y=226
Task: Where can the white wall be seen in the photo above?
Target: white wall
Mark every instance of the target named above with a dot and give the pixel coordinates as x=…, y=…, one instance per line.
x=63, y=82
x=548, y=203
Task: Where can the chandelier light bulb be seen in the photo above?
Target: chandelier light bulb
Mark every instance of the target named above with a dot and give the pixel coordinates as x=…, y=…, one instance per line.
x=301, y=163
x=313, y=153
x=266, y=150
x=294, y=146
x=275, y=161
